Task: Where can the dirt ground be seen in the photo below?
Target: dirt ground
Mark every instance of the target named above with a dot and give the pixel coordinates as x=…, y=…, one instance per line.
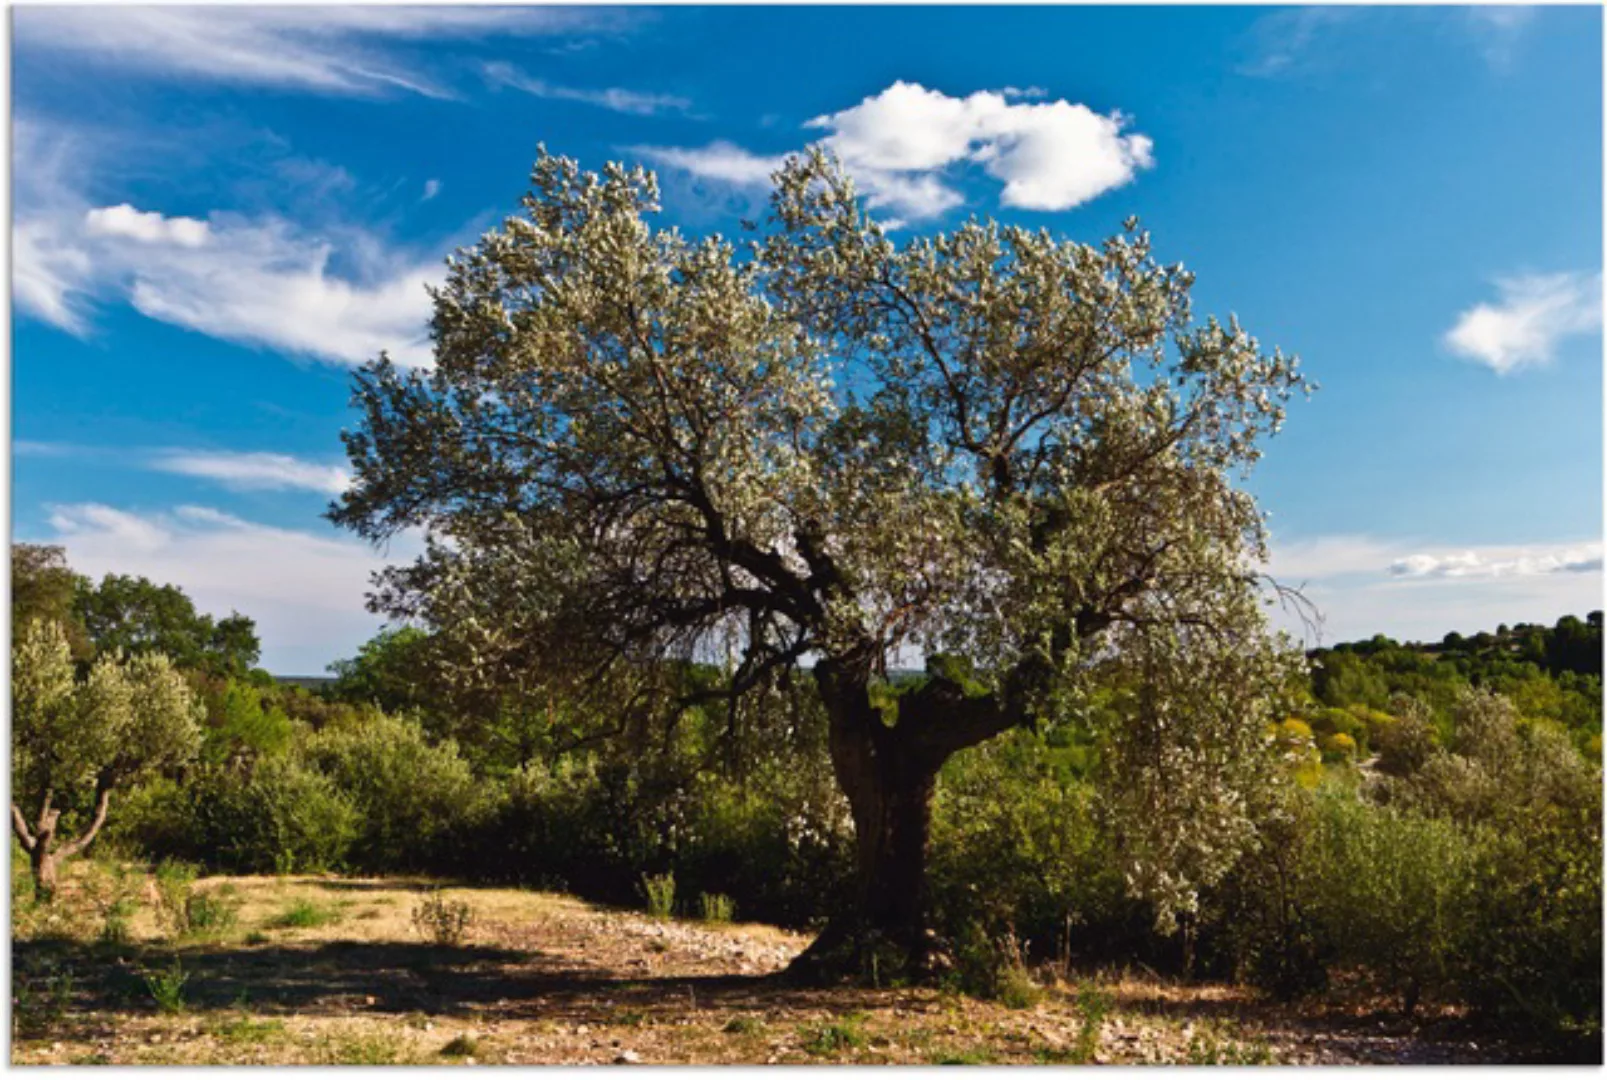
x=541, y=979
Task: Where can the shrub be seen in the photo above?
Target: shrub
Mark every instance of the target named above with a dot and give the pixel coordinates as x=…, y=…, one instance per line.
x=414, y=801
x=442, y=921
x=280, y=817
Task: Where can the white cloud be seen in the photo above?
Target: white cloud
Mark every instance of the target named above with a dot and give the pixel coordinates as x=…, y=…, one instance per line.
x=1534, y=313
x=254, y=471
x=900, y=143
x=1364, y=585
x=347, y=50
x=613, y=98
x=432, y=188
x=305, y=591
x=719, y=160
x=260, y=282
x=1473, y=564
x=145, y=226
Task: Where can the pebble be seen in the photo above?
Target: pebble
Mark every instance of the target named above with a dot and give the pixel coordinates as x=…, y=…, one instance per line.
x=627, y=1057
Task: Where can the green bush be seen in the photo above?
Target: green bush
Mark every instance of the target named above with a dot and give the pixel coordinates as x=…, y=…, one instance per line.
x=414, y=800
x=283, y=817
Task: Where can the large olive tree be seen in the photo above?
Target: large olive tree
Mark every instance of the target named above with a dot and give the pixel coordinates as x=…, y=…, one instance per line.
x=1008, y=454
x=75, y=741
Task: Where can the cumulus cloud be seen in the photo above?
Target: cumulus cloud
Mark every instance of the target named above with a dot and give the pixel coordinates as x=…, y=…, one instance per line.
x=1523, y=327
x=360, y=50
x=306, y=591
x=254, y=471
x=901, y=144
x=145, y=226
x=613, y=98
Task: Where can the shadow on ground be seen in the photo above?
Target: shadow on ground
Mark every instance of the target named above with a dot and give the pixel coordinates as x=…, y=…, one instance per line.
x=342, y=978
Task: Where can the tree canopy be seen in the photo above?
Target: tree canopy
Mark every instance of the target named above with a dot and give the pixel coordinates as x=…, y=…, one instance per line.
x=1012, y=455
x=74, y=741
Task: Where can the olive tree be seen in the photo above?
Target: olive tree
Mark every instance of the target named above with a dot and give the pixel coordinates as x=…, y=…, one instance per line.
x=819, y=450
x=74, y=741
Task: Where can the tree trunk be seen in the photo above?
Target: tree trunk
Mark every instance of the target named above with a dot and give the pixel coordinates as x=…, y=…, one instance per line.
x=44, y=870
x=889, y=774
x=889, y=782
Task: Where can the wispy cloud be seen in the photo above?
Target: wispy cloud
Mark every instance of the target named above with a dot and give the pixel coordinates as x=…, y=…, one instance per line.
x=261, y=282
x=1283, y=42
x=901, y=145
x=334, y=292
x=305, y=590
x=719, y=160
x=1522, y=328
x=254, y=471
x=1291, y=42
x=1474, y=564
x=432, y=188
x=233, y=469
x=361, y=50
x=1498, y=29
x=613, y=98
x=1364, y=584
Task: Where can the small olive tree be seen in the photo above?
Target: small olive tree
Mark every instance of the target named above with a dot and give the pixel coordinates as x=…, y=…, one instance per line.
x=74, y=741
x=1008, y=454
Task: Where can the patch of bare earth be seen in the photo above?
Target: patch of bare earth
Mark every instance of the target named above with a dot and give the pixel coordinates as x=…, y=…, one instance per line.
x=540, y=979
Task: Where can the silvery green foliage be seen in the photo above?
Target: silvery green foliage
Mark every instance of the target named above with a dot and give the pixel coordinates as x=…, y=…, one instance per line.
x=71, y=737
x=822, y=444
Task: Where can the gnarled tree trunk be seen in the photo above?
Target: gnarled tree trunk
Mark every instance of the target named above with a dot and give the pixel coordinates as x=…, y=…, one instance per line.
x=889, y=774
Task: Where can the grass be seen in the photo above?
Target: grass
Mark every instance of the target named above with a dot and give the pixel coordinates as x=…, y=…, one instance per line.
x=716, y=908
x=442, y=921
x=305, y=914
x=744, y=1025
x=660, y=892
x=246, y=1029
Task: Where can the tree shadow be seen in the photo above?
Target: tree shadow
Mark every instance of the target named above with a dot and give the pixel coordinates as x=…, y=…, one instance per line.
x=342, y=978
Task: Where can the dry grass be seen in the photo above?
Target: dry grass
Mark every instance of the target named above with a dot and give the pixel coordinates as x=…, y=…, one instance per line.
x=541, y=978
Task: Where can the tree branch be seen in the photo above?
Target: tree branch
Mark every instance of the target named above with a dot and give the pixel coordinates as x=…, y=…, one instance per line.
x=19, y=825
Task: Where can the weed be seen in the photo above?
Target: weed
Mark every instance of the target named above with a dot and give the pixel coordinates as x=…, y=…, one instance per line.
x=257, y=937
x=660, y=892
x=167, y=987
x=462, y=1046
x=185, y=911
x=847, y=1034
x=973, y=1056
x=440, y=920
x=744, y=1025
x=716, y=908
x=1092, y=1003
x=629, y=1018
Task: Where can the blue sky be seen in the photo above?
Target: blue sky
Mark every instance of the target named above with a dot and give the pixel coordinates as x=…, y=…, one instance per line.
x=217, y=212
